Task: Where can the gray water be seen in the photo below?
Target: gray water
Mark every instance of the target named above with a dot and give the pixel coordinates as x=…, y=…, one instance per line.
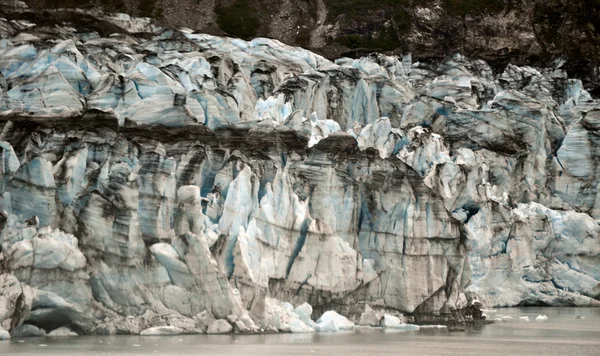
x=562, y=334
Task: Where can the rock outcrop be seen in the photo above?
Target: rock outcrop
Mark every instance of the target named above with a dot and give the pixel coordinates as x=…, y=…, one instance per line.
x=173, y=181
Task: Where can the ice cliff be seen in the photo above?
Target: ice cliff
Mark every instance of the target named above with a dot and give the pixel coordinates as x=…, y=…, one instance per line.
x=172, y=181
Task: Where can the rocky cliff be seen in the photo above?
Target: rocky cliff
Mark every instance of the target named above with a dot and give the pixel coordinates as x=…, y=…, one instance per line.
x=160, y=177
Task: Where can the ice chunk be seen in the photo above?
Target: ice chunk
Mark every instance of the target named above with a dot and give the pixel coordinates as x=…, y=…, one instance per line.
x=283, y=316
x=370, y=317
x=247, y=320
x=62, y=331
x=321, y=129
x=37, y=172
x=297, y=326
x=161, y=330
x=27, y=330
x=393, y=322
x=219, y=326
x=403, y=327
x=333, y=322
x=275, y=109
x=46, y=249
x=524, y=318
x=390, y=321
x=379, y=135
x=541, y=318
x=304, y=312
x=4, y=335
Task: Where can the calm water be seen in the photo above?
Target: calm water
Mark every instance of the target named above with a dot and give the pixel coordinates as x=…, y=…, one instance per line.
x=562, y=334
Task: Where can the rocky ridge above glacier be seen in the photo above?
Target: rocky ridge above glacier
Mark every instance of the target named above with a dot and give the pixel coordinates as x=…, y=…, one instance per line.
x=159, y=178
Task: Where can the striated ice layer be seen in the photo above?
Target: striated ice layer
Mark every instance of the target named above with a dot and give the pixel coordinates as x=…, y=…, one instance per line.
x=159, y=181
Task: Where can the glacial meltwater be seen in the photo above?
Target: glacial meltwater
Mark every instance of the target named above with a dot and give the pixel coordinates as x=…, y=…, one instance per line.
x=567, y=331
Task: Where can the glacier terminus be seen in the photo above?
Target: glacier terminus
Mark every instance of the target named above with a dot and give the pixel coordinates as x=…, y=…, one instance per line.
x=161, y=181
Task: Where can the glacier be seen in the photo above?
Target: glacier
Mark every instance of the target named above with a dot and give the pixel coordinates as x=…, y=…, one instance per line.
x=161, y=181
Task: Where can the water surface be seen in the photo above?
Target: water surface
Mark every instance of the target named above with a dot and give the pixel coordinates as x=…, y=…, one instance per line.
x=562, y=334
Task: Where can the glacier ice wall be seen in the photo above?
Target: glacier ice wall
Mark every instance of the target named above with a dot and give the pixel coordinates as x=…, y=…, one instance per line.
x=154, y=177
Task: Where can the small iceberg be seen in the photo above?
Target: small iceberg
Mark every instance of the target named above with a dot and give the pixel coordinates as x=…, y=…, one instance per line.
x=524, y=318
x=333, y=322
x=27, y=330
x=541, y=318
x=62, y=331
x=161, y=331
x=394, y=323
x=297, y=326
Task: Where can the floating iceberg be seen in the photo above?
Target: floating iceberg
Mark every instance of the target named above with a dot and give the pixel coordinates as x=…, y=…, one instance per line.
x=161, y=330
x=331, y=321
x=62, y=331
x=393, y=322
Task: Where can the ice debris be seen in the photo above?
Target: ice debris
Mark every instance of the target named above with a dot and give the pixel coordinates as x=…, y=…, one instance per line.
x=284, y=317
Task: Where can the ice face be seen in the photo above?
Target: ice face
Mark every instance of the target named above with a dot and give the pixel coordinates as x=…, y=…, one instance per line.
x=527, y=254
x=214, y=184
